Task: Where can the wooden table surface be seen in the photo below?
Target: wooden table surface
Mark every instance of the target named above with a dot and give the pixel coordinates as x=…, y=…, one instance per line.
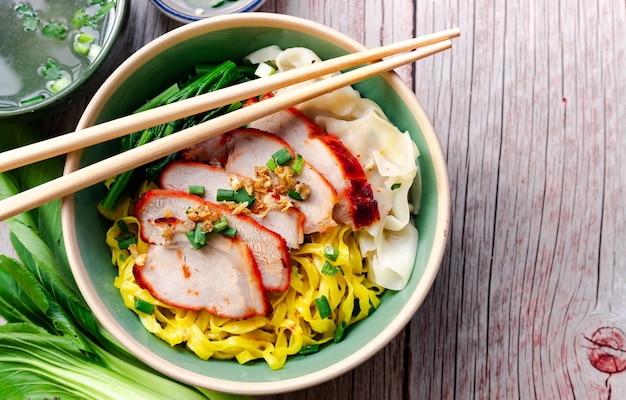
x=530, y=300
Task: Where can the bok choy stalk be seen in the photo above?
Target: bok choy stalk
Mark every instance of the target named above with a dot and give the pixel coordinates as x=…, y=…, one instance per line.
x=51, y=345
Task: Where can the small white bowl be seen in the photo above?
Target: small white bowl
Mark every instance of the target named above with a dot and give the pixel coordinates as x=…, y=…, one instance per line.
x=194, y=10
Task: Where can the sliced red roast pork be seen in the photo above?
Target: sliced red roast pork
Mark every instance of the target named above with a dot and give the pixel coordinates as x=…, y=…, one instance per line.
x=180, y=175
x=164, y=213
x=222, y=277
x=249, y=148
x=357, y=206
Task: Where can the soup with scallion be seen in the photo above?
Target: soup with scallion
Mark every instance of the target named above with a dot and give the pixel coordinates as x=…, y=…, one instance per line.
x=46, y=45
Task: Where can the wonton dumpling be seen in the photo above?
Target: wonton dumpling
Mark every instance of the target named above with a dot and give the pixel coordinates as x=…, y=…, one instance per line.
x=388, y=157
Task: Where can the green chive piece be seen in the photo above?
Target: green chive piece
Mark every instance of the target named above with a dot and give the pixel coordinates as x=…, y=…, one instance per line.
x=124, y=241
x=51, y=69
x=331, y=253
x=294, y=195
x=323, y=307
x=329, y=269
x=60, y=84
x=198, y=190
x=271, y=164
x=80, y=18
x=197, y=237
x=341, y=329
x=55, y=30
x=143, y=306
x=33, y=99
x=395, y=186
x=225, y=195
x=122, y=225
x=229, y=231
x=282, y=156
x=297, y=164
x=220, y=225
x=83, y=43
x=242, y=196
x=309, y=349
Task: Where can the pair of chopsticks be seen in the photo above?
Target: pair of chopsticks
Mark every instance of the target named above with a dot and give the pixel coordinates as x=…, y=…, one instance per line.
x=415, y=49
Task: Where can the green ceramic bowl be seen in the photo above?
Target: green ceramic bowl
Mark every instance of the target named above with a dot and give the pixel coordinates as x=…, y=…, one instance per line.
x=20, y=76
x=141, y=77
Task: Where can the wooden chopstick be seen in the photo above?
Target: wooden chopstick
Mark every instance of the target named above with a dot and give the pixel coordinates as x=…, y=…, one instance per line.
x=152, y=151
x=136, y=122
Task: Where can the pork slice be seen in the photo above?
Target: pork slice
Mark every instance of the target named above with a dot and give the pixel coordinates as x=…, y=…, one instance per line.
x=222, y=277
x=179, y=175
x=212, y=151
x=250, y=148
x=327, y=154
x=163, y=217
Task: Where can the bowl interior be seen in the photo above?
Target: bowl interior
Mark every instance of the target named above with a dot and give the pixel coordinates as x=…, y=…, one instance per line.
x=217, y=40
x=35, y=43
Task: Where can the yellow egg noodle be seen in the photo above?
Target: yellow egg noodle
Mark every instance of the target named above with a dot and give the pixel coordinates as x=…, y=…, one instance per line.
x=294, y=324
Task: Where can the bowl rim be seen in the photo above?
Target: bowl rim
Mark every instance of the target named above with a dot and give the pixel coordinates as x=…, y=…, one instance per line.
x=121, y=10
x=415, y=299
x=171, y=11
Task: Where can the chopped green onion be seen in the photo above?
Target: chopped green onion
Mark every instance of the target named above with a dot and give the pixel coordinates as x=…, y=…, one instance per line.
x=60, y=84
x=31, y=24
x=197, y=237
x=309, y=349
x=271, y=164
x=329, y=269
x=33, y=99
x=220, y=225
x=297, y=164
x=239, y=196
x=294, y=195
x=25, y=10
x=122, y=225
x=242, y=196
x=229, y=231
x=225, y=195
x=217, y=3
x=55, y=30
x=282, y=156
x=51, y=69
x=395, y=186
x=124, y=241
x=80, y=18
x=198, y=190
x=331, y=253
x=323, y=307
x=83, y=43
x=143, y=306
x=341, y=329
x=264, y=69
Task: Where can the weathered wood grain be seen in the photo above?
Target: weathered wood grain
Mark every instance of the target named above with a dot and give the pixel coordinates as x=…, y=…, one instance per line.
x=530, y=301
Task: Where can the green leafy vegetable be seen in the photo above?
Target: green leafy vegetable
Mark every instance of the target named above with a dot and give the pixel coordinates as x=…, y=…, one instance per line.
x=52, y=346
x=223, y=75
